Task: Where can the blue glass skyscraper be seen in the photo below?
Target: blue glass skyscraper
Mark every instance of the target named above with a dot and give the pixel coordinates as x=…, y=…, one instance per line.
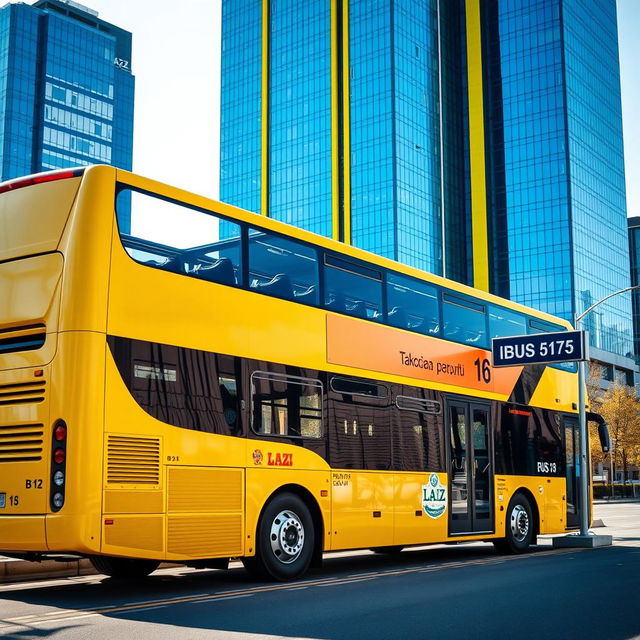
x=331, y=120
x=66, y=89
x=634, y=255
x=476, y=139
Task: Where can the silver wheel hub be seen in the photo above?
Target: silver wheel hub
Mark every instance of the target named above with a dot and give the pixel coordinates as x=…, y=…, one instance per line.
x=287, y=536
x=519, y=523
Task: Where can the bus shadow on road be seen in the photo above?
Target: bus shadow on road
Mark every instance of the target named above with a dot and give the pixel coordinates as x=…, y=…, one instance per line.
x=371, y=595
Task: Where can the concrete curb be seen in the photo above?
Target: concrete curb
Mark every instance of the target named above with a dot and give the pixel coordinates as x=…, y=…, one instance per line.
x=14, y=570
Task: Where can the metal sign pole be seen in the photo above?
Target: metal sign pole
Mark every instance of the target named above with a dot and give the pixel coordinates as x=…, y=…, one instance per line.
x=584, y=468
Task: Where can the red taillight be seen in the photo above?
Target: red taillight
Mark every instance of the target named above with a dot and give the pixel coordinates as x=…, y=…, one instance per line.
x=58, y=456
x=48, y=177
x=60, y=433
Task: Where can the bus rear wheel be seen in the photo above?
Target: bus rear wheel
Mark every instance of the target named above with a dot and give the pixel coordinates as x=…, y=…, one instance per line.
x=124, y=568
x=285, y=540
x=519, y=527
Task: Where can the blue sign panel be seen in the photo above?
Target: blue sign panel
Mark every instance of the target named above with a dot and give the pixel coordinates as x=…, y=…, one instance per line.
x=540, y=348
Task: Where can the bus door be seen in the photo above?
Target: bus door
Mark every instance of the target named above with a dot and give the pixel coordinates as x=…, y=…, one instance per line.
x=470, y=467
x=571, y=429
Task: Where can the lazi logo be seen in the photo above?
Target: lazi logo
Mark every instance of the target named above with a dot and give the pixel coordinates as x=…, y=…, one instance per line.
x=121, y=64
x=434, y=497
x=280, y=459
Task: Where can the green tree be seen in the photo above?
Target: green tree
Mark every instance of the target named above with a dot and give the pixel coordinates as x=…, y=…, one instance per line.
x=620, y=407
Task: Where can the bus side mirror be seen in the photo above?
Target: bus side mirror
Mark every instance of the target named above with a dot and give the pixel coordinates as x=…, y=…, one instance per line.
x=605, y=441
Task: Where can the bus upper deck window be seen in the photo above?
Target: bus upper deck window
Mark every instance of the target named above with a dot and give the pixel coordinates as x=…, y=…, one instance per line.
x=504, y=322
x=352, y=288
x=465, y=320
x=176, y=237
x=412, y=304
x=282, y=268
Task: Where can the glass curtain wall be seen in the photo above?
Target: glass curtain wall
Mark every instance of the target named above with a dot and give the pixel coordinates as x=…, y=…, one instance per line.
x=300, y=177
x=596, y=170
x=240, y=108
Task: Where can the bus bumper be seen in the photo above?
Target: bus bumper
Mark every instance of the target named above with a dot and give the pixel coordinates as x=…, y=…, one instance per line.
x=22, y=533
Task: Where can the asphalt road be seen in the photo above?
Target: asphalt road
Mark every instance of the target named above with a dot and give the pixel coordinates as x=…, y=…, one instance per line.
x=464, y=591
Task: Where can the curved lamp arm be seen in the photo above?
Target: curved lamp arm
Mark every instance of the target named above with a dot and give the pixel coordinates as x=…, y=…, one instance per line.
x=593, y=306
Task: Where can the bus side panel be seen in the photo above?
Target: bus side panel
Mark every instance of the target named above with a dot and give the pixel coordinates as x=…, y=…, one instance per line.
x=412, y=523
x=166, y=493
x=555, y=520
x=78, y=399
x=548, y=494
x=556, y=390
x=363, y=509
x=263, y=482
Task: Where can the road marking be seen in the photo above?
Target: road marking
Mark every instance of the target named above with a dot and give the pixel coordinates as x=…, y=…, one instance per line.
x=73, y=614
x=160, y=606
x=343, y=582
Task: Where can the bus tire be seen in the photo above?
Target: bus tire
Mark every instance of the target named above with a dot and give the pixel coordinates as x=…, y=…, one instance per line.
x=519, y=527
x=123, y=568
x=284, y=541
x=388, y=551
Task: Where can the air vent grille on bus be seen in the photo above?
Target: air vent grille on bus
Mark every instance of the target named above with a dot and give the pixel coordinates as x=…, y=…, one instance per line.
x=21, y=442
x=25, y=338
x=133, y=460
x=22, y=393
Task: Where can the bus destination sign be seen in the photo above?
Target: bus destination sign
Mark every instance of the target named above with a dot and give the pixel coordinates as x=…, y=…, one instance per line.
x=541, y=348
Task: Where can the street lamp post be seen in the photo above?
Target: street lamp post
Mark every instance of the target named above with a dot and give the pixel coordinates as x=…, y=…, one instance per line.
x=582, y=377
x=611, y=468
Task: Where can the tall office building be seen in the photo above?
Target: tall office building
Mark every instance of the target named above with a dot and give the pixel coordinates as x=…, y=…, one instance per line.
x=66, y=89
x=634, y=255
x=476, y=139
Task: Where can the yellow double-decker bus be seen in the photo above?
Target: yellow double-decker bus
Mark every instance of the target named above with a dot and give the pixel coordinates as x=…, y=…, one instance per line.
x=181, y=380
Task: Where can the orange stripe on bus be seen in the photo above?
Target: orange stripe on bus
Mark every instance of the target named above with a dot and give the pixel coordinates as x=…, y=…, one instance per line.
x=364, y=345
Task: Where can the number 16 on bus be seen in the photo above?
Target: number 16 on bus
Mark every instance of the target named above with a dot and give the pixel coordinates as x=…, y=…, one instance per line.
x=541, y=348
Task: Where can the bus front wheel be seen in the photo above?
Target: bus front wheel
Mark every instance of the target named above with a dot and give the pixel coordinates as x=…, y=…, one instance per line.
x=519, y=527
x=123, y=568
x=285, y=540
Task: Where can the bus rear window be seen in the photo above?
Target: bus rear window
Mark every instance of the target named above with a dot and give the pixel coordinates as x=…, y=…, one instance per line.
x=181, y=239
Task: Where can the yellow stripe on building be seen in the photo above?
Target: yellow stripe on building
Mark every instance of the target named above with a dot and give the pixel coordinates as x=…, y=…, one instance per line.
x=477, y=148
x=346, y=124
x=264, y=173
x=335, y=124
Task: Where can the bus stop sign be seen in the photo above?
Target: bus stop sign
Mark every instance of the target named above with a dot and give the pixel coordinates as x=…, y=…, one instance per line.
x=540, y=348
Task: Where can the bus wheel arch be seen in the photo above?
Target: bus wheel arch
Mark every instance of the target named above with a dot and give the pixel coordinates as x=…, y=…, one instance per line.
x=290, y=507
x=534, y=508
x=316, y=514
x=522, y=523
